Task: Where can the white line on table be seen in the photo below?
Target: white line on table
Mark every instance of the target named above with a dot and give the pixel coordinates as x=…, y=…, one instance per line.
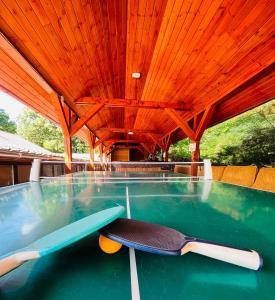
x=133, y=265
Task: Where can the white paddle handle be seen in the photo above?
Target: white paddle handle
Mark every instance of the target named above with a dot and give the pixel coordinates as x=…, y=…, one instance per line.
x=244, y=258
x=11, y=262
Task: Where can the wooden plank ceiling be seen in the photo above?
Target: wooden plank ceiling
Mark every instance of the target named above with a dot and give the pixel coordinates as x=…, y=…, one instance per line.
x=194, y=56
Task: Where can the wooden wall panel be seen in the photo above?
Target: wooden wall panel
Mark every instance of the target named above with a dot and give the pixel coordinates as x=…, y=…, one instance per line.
x=120, y=154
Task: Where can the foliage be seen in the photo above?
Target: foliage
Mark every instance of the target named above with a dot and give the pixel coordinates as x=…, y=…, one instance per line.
x=257, y=148
x=245, y=139
x=179, y=151
x=44, y=133
x=5, y=123
x=79, y=146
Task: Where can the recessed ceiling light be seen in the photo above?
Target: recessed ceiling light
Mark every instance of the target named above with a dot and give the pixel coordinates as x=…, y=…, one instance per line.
x=135, y=75
x=130, y=132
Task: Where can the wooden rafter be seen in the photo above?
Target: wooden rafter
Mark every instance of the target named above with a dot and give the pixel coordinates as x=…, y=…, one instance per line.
x=108, y=147
x=167, y=142
x=62, y=109
x=127, y=130
x=126, y=141
x=170, y=132
x=6, y=46
x=67, y=112
x=85, y=118
x=60, y=113
x=133, y=103
x=206, y=118
x=200, y=65
x=183, y=125
x=146, y=147
x=157, y=141
x=129, y=146
x=101, y=140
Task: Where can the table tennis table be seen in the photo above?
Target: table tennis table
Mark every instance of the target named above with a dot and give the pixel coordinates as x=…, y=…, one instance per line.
x=211, y=210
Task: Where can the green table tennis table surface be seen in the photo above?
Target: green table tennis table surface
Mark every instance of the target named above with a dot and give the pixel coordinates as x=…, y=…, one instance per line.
x=216, y=211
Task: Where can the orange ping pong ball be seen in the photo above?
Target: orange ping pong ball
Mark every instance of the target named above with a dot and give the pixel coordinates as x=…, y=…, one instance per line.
x=108, y=246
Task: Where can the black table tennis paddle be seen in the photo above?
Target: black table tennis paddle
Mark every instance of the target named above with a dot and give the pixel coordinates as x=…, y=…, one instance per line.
x=162, y=240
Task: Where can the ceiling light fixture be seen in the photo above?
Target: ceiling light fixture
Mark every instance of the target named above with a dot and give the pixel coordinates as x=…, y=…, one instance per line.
x=136, y=75
x=130, y=132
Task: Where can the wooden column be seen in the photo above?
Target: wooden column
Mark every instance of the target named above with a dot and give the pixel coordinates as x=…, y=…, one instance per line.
x=195, y=158
x=162, y=155
x=91, y=143
x=166, y=155
x=68, y=153
x=60, y=107
x=92, y=157
x=200, y=124
x=146, y=154
x=101, y=152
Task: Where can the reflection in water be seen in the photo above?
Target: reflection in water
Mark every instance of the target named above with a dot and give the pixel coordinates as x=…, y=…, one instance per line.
x=31, y=212
x=207, y=185
x=245, y=205
x=209, y=210
x=245, y=279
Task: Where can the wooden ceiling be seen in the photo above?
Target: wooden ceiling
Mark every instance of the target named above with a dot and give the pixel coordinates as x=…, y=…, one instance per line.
x=195, y=57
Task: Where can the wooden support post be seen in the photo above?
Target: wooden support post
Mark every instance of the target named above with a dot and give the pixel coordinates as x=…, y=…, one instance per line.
x=68, y=153
x=154, y=150
x=101, y=152
x=92, y=157
x=59, y=109
x=166, y=155
x=195, y=158
x=167, y=146
x=162, y=155
x=91, y=143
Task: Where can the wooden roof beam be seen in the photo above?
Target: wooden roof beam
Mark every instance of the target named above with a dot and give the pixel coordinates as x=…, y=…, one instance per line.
x=126, y=141
x=206, y=118
x=167, y=142
x=101, y=140
x=108, y=147
x=146, y=147
x=173, y=114
x=60, y=113
x=117, y=102
x=157, y=141
x=85, y=118
x=126, y=130
x=169, y=132
x=129, y=147
x=17, y=57
x=20, y=60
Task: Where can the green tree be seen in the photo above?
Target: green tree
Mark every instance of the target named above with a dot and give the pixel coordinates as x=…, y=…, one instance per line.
x=245, y=139
x=44, y=133
x=257, y=148
x=79, y=146
x=5, y=123
x=179, y=151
